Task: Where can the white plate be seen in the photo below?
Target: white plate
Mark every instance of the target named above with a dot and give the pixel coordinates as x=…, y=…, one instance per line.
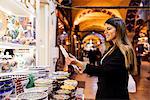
x=71, y=82
x=37, y=89
x=32, y=96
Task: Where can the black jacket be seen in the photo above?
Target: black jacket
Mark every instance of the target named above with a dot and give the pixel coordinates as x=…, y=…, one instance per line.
x=112, y=77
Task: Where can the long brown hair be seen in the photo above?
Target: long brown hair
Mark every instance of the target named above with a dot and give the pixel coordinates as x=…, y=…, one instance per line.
x=123, y=43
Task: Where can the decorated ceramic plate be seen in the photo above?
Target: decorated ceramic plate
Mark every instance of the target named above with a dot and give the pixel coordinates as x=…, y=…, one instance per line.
x=44, y=81
x=60, y=73
x=61, y=77
x=63, y=91
x=33, y=96
x=71, y=82
x=67, y=87
x=37, y=89
x=61, y=97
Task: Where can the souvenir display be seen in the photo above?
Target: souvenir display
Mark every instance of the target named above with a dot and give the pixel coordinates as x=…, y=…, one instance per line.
x=18, y=31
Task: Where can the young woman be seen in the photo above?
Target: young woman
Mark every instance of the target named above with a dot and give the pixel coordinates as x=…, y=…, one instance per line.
x=117, y=62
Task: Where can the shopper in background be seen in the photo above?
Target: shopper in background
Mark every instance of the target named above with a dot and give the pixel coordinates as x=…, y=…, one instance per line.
x=92, y=56
x=139, y=51
x=118, y=61
x=98, y=56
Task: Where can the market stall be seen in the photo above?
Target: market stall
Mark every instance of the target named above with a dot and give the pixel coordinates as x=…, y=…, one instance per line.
x=17, y=44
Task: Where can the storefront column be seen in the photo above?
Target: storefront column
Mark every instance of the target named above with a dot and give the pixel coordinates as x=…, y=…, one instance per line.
x=42, y=35
x=53, y=50
x=47, y=53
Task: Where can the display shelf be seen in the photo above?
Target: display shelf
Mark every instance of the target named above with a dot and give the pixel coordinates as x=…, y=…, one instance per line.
x=19, y=72
x=5, y=56
x=15, y=46
x=17, y=8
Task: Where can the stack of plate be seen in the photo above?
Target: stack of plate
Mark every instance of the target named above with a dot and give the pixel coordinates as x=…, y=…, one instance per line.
x=41, y=71
x=6, y=87
x=67, y=87
x=60, y=75
x=71, y=82
x=67, y=92
x=61, y=97
x=36, y=68
x=33, y=96
x=22, y=77
x=37, y=89
x=43, y=82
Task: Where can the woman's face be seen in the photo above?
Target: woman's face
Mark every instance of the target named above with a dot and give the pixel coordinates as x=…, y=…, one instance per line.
x=110, y=32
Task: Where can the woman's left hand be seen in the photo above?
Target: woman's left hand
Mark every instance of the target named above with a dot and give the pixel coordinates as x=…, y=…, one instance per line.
x=70, y=60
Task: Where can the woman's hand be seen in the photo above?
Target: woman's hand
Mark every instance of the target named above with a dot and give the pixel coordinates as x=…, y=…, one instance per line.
x=80, y=65
x=70, y=60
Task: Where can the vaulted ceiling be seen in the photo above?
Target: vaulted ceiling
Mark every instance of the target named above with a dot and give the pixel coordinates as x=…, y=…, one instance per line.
x=86, y=20
x=93, y=19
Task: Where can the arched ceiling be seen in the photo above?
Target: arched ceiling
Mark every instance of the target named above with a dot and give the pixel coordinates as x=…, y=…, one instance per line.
x=95, y=14
x=91, y=19
x=91, y=24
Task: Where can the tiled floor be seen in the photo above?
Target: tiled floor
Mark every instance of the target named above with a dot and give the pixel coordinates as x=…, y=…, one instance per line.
x=143, y=85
